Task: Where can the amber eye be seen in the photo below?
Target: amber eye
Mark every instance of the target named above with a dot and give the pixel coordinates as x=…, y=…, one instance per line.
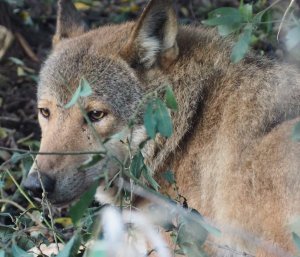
x=95, y=116
x=45, y=112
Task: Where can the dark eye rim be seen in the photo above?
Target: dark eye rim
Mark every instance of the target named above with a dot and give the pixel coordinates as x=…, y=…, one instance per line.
x=45, y=112
x=96, y=115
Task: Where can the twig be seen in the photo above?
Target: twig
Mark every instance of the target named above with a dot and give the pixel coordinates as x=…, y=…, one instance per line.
x=26, y=47
x=25, y=138
x=20, y=189
x=45, y=200
x=29, y=200
x=6, y=201
x=49, y=153
x=229, y=249
x=284, y=16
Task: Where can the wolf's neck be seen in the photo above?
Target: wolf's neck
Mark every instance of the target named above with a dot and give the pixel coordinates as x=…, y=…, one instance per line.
x=192, y=94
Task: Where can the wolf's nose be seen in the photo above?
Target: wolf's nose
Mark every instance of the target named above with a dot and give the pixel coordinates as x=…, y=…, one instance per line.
x=33, y=184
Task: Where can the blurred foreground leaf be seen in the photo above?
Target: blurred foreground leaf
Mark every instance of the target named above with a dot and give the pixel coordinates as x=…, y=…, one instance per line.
x=224, y=16
x=18, y=252
x=296, y=132
x=296, y=239
x=137, y=164
x=79, y=208
x=293, y=38
x=71, y=248
x=84, y=89
x=148, y=176
x=241, y=47
x=169, y=176
x=170, y=99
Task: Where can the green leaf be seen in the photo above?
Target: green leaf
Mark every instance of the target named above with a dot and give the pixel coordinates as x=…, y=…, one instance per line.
x=27, y=163
x=157, y=119
x=241, y=47
x=84, y=89
x=163, y=119
x=170, y=99
x=192, y=250
x=18, y=252
x=16, y=61
x=34, y=145
x=259, y=16
x=246, y=11
x=98, y=249
x=24, y=241
x=192, y=232
x=212, y=230
x=296, y=239
x=169, y=176
x=6, y=233
x=3, y=133
x=92, y=161
x=137, y=164
x=267, y=19
x=71, y=248
x=292, y=38
x=150, y=179
x=224, y=16
x=74, y=99
x=2, y=184
x=16, y=157
x=150, y=120
x=79, y=208
x=225, y=30
x=296, y=132
x=98, y=253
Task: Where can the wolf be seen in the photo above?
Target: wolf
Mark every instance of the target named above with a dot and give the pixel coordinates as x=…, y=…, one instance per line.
x=231, y=149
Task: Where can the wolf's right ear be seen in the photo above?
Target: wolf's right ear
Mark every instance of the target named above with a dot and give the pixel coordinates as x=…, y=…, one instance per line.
x=69, y=23
x=153, y=38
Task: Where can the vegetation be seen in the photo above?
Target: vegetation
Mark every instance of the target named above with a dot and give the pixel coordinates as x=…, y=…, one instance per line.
x=26, y=226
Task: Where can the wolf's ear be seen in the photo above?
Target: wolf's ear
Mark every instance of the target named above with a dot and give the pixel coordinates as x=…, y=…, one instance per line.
x=153, y=38
x=69, y=23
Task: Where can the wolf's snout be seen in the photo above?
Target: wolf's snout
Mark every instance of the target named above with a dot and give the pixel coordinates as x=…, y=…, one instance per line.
x=33, y=184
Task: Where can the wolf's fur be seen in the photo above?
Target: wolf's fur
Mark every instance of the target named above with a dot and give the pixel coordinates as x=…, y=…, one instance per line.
x=231, y=150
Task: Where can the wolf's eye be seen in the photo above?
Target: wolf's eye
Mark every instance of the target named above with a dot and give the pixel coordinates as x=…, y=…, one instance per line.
x=95, y=116
x=45, y=112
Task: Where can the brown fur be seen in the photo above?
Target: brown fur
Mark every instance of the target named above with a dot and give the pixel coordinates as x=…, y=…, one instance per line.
x=231, y=150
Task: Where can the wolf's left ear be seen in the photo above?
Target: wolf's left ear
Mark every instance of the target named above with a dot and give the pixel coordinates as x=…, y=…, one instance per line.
x=69, y=23
x=153, y=38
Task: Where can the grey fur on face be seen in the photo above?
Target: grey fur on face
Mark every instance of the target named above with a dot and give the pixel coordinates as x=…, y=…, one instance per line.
x=112, y=82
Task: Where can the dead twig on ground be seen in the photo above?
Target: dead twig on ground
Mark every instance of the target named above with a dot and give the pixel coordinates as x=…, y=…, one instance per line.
x=26, y=47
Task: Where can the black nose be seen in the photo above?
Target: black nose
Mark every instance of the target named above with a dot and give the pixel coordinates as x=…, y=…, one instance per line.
x=33, y=184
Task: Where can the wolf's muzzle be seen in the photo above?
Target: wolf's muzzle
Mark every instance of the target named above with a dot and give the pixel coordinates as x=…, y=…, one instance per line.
x=33, y=184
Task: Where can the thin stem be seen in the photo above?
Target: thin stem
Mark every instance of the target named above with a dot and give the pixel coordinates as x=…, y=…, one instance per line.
x=6, y=201
x=45, y=200
x=21, y=189
x=283, y=18
x=29, y=200
x=50, y=153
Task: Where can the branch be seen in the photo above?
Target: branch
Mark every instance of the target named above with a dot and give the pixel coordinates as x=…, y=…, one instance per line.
x=15, y=150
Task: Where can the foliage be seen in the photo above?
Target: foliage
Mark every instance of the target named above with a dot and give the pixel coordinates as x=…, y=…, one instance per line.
x=242, y=21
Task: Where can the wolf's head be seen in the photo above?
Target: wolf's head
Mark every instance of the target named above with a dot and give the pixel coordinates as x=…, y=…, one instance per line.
x=120, y=63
